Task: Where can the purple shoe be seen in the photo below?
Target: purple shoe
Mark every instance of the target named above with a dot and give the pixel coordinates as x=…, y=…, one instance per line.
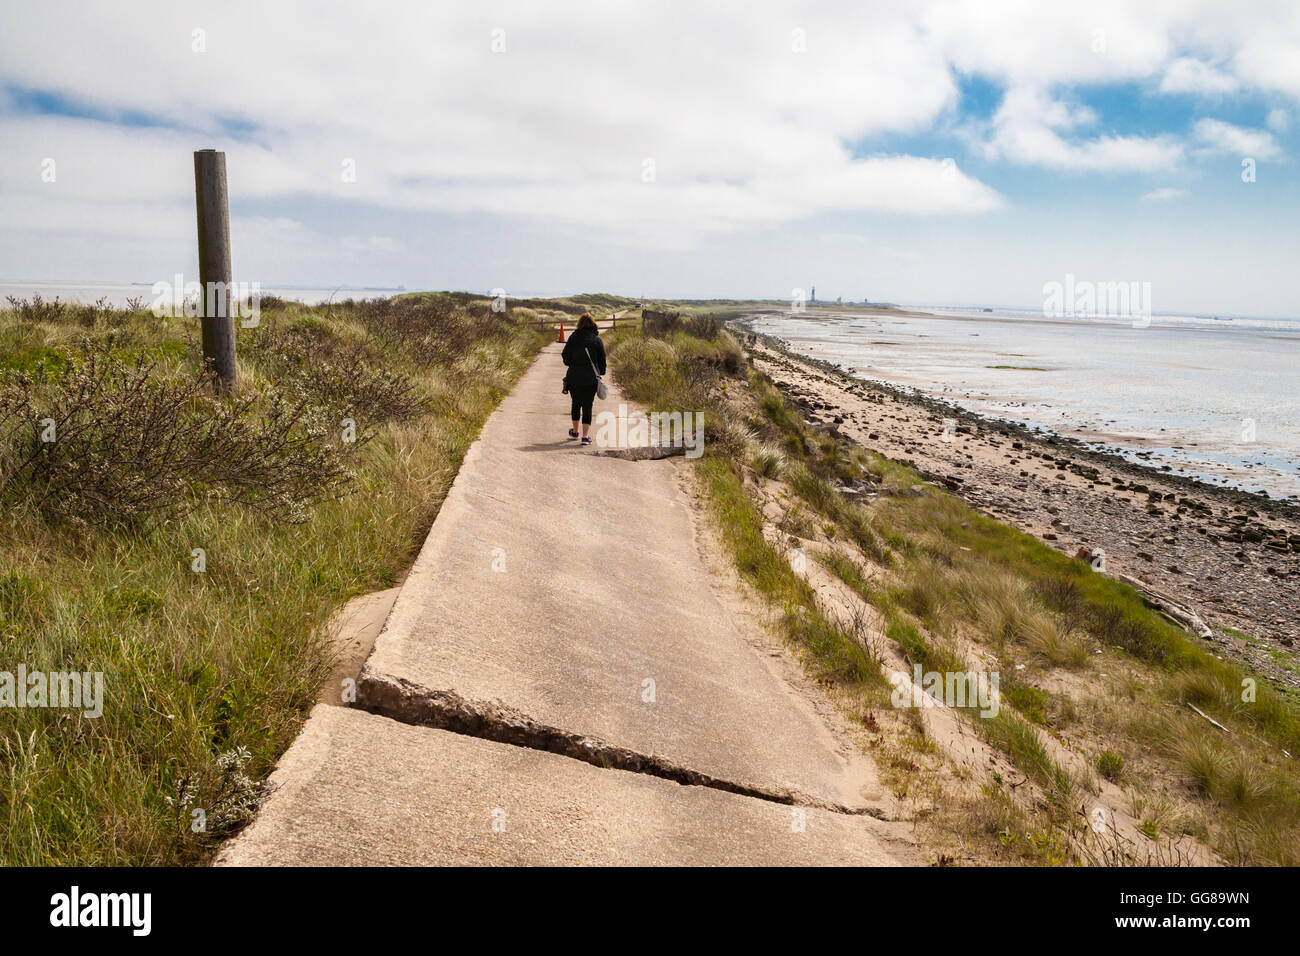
x=572, y=433
x=586, y=440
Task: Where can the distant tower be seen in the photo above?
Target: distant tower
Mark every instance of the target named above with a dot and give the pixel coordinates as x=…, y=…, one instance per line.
x=814, y=294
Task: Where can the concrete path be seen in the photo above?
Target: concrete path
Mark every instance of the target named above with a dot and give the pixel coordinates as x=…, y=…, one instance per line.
x=563, y=602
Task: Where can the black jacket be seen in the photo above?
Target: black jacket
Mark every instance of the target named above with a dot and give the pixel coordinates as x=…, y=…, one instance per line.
x=575, y=352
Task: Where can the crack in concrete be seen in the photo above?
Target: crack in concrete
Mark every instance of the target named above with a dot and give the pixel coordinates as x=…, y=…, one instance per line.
x=642, y=452
x=409, y=703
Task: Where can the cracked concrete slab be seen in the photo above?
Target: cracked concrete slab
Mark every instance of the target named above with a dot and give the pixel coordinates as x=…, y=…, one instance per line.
x=446, y=710
x=360, y=789
x=570, y=588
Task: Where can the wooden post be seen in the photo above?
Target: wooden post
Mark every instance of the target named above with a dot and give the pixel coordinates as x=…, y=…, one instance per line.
x=218, y=306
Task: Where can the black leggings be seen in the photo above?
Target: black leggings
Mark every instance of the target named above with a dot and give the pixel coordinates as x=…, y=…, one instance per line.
x=582, y=398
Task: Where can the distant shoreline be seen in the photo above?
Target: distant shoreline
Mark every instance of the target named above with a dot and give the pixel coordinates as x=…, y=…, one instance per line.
x=1290, y=329
x=1183, y=410
x=1288, y=507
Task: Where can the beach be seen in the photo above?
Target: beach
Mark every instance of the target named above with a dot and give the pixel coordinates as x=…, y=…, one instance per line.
x=1232, y=556
x=1213, y=399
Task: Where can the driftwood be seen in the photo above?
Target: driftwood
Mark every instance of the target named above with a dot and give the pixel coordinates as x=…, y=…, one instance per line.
x=1168, y=605
x=1209, y=718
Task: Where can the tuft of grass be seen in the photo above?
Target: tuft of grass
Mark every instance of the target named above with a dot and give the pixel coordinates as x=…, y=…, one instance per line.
x=767, y=460
x=1019, y=741
x=931, y=655
x=1029, y=700
x=1221, y=774
x=1046, y=637
x=1110, y=765
x=927, y=591
x=774, y=408
x=836, y=653
x=855, y=576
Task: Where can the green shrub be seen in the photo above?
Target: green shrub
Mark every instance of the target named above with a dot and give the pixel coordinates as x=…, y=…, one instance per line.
x=108, y=441
x=1110, y=765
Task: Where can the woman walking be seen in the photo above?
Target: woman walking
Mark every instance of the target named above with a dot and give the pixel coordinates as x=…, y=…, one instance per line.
x=584, y=354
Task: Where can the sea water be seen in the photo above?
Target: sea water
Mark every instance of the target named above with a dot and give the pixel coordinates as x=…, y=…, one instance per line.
x=1214, y=398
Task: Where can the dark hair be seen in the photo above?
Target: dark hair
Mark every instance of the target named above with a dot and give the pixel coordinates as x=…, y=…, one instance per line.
x=585, y=321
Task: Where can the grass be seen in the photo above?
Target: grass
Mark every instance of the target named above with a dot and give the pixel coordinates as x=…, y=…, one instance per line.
x=758, y=562
x=209, y=675
x=854, y=574
x=830, y=647
x=931, y=655
x=767, y=460
x=1027, y=699
x=1110, y=765
x=1017, y=738
x=1085, y=604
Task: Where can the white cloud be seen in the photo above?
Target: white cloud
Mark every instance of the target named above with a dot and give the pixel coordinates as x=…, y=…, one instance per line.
x=1165, y=194
x=1266, y=50
x=742, y=129
x=1031, y=128
x=1188, y=75
x=747, y=134
x=1219, y=137
x=1255, y=46
x=1044, y=44
x=1279, y=120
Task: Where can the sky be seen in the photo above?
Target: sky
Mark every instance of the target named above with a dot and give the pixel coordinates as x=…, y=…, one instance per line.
x=922, y=152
